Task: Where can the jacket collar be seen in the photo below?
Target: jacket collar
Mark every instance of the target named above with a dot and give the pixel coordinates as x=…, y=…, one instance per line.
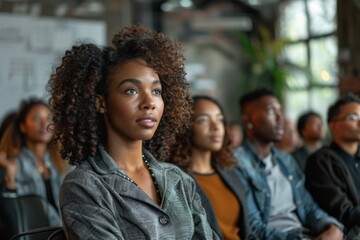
x=343, y=153
x=252, y=151
x=254, y=155
x=27, y=154
x=103, y=163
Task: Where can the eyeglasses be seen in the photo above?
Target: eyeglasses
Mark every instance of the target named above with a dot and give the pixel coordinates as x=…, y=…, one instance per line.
x=350, y=117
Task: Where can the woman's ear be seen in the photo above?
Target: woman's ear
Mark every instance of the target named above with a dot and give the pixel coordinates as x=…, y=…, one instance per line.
x=100, y=104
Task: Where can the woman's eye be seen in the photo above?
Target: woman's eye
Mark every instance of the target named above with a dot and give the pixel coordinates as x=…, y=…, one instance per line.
x=201, y=120
x=157, y=91
x=131, y=91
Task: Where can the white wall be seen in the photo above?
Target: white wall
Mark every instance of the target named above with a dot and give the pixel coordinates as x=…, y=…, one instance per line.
x=30, y=48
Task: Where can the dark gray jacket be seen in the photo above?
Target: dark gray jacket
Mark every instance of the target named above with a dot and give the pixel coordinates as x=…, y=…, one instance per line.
x=97, y=203
x=331, y=185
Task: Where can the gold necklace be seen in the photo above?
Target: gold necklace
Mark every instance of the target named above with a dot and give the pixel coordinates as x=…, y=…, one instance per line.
x=152, y=177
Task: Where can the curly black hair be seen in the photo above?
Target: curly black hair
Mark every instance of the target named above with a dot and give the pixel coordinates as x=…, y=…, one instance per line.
x=181, y=152
x=83, y=74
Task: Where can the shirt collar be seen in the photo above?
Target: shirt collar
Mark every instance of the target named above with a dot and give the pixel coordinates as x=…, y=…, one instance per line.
x=343, y=154
x=247, y=145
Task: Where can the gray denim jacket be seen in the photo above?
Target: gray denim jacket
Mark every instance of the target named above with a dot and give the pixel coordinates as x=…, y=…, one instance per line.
x=98, y=203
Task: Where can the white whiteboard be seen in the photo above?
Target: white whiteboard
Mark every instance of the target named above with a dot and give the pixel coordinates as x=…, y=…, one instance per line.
x=30, y=48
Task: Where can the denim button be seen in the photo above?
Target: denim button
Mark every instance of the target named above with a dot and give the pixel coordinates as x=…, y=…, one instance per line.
x=164, y=220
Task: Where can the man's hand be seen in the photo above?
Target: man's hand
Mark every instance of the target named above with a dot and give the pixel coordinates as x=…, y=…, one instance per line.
x=332, y=233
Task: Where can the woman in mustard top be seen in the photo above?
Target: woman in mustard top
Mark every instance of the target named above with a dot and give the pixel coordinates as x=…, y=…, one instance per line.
x=206, y=156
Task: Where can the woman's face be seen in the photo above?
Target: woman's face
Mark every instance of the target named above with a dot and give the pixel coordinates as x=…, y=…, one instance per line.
x=133, y=105
x=208, y=129
x=35, y=126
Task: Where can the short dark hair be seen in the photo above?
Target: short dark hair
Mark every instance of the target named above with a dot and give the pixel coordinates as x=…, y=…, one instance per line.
x=254, y=95
x=334, y=109
x=303, y=119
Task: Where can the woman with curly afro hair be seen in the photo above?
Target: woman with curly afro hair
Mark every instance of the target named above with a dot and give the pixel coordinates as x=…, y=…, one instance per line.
x=116, y=112
x=206, y=155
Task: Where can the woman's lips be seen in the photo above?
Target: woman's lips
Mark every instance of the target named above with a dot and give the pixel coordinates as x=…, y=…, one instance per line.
x=147, y=122
x=216, y=138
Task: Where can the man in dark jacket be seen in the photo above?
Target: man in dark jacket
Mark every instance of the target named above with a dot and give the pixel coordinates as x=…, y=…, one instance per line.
x=333, y=172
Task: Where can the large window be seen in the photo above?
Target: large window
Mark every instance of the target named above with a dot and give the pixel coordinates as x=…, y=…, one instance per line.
x=310, y=27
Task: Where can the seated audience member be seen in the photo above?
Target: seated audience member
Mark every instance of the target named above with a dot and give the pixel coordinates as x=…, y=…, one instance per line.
x=205, y=155
x=28, y=157
x=279, y=206
x=235, y=133
x=310, y=129
x=290, y=139
x=117, y=111
x=333, y=172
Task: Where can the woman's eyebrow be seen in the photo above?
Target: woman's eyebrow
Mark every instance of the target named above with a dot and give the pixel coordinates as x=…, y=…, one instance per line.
x=135, y=81
x=129, y=80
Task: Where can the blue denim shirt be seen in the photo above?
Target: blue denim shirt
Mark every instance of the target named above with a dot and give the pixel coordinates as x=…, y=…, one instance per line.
x=29, y=181
x=258, y=195
x=97, y=202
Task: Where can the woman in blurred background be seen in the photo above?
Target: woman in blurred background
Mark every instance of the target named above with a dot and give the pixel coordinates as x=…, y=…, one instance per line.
x=29, y=162
x=205, y=155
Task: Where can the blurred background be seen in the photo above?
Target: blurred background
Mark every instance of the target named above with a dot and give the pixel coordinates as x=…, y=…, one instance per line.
x=305, y=50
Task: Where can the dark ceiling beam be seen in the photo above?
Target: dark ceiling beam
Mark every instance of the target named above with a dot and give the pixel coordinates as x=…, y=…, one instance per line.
x=242, y=5
x=47, y=2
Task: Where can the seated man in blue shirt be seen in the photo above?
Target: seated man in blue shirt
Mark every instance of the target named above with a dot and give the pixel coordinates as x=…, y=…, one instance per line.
x=279, y=205
x=332, y=173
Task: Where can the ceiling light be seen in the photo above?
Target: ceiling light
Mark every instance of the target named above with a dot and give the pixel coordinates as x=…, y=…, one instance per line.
x=90, y=7
x=172, y=5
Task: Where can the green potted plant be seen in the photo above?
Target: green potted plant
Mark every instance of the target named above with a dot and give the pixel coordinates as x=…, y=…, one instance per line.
x=268, y=66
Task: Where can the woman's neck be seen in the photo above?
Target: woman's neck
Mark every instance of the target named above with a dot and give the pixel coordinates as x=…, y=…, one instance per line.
x=128, y=156
x=201, y=161
x=38, y=149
